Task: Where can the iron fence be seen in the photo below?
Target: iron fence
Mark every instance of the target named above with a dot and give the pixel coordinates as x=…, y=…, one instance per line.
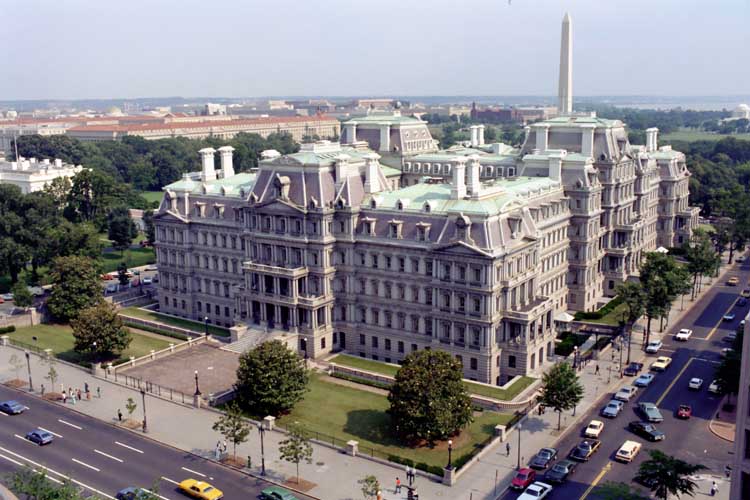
x=149, y=387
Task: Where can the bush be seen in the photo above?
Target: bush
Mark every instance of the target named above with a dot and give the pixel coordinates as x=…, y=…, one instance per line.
x=7, y=329
x=569, y=341
x=166, y=333
x=363, y=381
x=608, y=307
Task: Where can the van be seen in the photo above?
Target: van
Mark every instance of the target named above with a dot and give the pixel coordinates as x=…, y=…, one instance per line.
x=628, y=451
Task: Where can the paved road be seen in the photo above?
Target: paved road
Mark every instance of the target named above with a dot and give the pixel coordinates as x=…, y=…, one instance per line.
x=105, y=459
x=690, y=440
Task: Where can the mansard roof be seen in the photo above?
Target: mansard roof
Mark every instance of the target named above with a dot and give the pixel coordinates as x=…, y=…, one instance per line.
x=233, y=186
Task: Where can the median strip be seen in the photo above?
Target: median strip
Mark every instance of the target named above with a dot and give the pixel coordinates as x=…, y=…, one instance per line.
x=674, y=381
x=85, y=464
x=596, y=480
x=108, y=456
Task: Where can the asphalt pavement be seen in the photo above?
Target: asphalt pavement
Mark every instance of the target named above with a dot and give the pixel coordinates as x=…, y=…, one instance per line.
x=689, y=440
x=103, y=458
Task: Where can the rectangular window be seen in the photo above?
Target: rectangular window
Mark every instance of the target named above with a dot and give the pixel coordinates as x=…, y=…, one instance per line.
x=400, y=346
x=361, y=339
x=375, y=342
x=322, y=342
x=413, y=347
x=511, y=361
x=387, y=344
x=473, y=363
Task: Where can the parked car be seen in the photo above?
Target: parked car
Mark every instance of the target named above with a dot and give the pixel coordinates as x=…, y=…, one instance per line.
x=107, y=277
x=725, y=352
x=276, y=493
x=654, y=346
x=745, y=293
x=147, y=280
x=536, y=491
x=12, y=407
x=646, y=430
x=200, y=489
x=133, y=493
x=731, y=337
x=40, y=437
x=633, y=369
x=152, y=267
x=8, y=297
x=613, y=408
x=729, y=317
x=594, y=428
x=644, y=380
x=111, y=288
x=683, y=334
x=741, y=258
x=559, y=472
x=628, y=451
x=742, y=302
x=661, y=363
x=543, y=458
x=626, y=393
x=733, y=281
x=585, y=449
x=650, y=412
x=523, y=478
x=684, y=411
x=714, y=387
x=695, y=383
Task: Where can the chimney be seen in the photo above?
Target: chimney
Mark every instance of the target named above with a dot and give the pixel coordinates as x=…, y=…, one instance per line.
x=555, y=165
x=542, y=136
x=372, y=181
x=480, y=128
x=342, y=169
x=351, y=133
x=207, y=164
x=587, y=139
x=473, y=185
x=227, y=169
x=458, y=189
x=58, y=163
x=651, y=139
x=474, y=135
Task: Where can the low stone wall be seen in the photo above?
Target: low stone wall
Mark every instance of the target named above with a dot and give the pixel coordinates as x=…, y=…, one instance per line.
x=154, y=355
x=136, y=322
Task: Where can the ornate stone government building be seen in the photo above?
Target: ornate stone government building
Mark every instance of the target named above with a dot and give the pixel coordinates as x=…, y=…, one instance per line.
x=383, y=244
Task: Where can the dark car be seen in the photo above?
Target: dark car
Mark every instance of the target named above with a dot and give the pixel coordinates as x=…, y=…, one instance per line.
x=543, y=458
x=559, y=472
x=646, y=430
x=742, y=302
x=585, y=449
x=12, y=407
x=40, y=437
x=132, y=493
x=633, y=369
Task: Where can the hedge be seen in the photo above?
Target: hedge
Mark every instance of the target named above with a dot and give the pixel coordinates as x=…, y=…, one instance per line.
x=166, y=333
x=608, y=307
x=432, y=469
x=363, y=381
x=569, y=341
x=8, y=329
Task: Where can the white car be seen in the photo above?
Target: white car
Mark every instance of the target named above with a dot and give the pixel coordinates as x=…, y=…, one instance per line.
x=626, y=393
x=594, y=428
x=147, y=280
x=695, y=383
x=536, y=491
x=714, y=387
x=654, y=346
x=683, y=334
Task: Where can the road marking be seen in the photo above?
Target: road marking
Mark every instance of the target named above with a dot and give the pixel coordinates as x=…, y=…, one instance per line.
x=24, y=439
x=128, y=447
x=53, y=433
x=58, y=473
x=170, y=480
x=192, y=471
x=21, y=464
x=674, y=381
x=721, y=320
x=68, y=423
x=85, y=464
x=596, y=480
x=108, y=456
x=11, y=460
x=3, y=413
x=158, y=495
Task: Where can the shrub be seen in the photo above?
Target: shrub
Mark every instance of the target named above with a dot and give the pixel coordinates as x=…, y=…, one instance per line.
x=608, y=307
x=569, y=341
x=363, y=381
x=7, y=329
x=166, y=333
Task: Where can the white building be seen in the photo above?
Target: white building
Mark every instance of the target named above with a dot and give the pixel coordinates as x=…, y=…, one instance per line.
x=32, y=175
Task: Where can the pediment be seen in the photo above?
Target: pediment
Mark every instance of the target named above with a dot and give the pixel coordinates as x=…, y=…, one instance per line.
x=281, y=206
x=460, y=248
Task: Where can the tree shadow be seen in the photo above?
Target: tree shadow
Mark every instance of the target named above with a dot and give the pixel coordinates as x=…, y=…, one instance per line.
x=372, y=425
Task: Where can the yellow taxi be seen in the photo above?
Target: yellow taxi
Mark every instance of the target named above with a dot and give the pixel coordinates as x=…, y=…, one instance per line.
x=661, y=363
x=733, y=281
x=200, y=489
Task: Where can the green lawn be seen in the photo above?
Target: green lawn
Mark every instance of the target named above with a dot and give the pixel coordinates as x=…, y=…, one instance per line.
x=59, y=338
x=519, y=385
x=178, y=322
x=360, y=415
x=698, y=135
x=134, y=257
x=612, y=318
x=153, y=196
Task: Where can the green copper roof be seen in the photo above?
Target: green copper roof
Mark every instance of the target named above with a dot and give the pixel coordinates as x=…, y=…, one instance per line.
x=582, y=120
x=385, y=118
x=230, y=186
x=390, y=171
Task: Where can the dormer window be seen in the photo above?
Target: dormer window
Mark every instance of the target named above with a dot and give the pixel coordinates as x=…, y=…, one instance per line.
x=218, y=211
x=511, y=171
x=394, y=229
x=200, y=209
x=399, y=205
x=368, y=226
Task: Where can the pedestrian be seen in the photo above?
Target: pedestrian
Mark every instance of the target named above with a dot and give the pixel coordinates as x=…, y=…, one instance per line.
x=85, y=387
x=596, y=370
x=714, y=489
x=408, y=473
x=507, y=449
x=88, y=394
x=224, y=446
x=398, y=485
x=78, y=395
x=64, y=397
x=42, y=389
x=412, y=475
x=98, y=392
x=72, y=397
x=727, y=469
x=119, y=415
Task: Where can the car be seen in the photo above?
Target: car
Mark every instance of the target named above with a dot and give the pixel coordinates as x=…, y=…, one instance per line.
x=132, y=493
x=200, y=489
x=134, y=272
x=107, y=277
x=733, y=281
x=644, y=380
x=594, y=428
x=523, y=478
x=8, y=297
x=536, y=491
x=646, y=430
x=650, y=412
x=145, y=244
x=684, y=411
x=654, y=346
x=613, y=408
x=633, y=369
x=147, y=280
x=560, y=471
x=714, y=387
x=543, y=458
x=628, y=451
x=661, y=363
x=111, y=288
x=695, y=383
x=585, y=449
x=152, y=268
x=625, y=393
x=276, y=493
x=40, y=437
x=742, y=302
x=36, y=291
x=745, y=293
x=725, y=352
x=12, y=407
x=729, y=317
x=731, y=337
x=683, y=334
x=741, y=258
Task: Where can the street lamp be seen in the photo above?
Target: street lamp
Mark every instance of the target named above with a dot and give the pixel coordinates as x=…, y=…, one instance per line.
x=450, y=454
x=197, y=390
x=575, y=357
x=143, y=396
x=262, y=431
x=205, y=323
x=28, y=366
x=518, y=463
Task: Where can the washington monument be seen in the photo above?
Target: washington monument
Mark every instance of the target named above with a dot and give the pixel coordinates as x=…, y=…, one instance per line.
x=565, y=89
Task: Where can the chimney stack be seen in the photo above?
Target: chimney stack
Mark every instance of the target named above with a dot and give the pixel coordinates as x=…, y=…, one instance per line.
x=372, y=181
x=458, y=189
x=565, y=85
x=652, y=143
x=227, y=168
x=542, y=136
x=480, y=128
x=208, y=173
x=555, y=165
x=473, y=185
x=474, y=135
x=587, y=139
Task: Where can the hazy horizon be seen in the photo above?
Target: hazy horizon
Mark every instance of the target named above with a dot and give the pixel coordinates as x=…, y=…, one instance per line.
x=81, y=49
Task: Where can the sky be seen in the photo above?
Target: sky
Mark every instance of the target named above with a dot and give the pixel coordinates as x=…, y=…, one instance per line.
x=75, y=49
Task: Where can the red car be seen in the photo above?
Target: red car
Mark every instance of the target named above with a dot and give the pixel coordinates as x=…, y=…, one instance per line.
x=684, y=411
x=523, y=478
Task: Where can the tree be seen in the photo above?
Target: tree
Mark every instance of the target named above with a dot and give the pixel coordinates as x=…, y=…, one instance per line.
x=296, y=447
x=120, y=228
x=701, y=257
x=667, y=476
x=232, y=426
x=148, y=223
x=17, y=364
x=76, y=287
x=728, y=372
x=22, y=297
x=662, y=279
x=52, y=374
x=634, y=299
x=561, y=389
x=428, y=398
x=34, y=485
x=130, y=406
x=122, y=274
x=271, y=379
x=99, y=331
x=370, y=487
x=618, y=491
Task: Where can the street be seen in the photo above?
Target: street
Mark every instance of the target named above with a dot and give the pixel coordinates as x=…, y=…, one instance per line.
x=104, y=459
x=690, y=440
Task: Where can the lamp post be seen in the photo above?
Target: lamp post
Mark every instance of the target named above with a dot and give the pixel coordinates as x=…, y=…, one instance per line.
x=143, y=396
x=262, y=431
x=450, y=454
x=205, y=323
x=575, y=357
x=28, y=366
x=197, y=390
x=518, y=462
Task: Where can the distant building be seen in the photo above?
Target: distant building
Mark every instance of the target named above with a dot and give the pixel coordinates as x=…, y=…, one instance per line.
x=511, y=115
x=211, y=109
x=741, y=111
x=32, y=175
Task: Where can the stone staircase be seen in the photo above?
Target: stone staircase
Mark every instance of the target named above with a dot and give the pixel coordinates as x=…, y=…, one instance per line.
x=250, y=340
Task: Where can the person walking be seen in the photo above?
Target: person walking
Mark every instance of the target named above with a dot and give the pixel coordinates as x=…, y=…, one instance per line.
x=85, y=387
x=119, y=415
x=42, y=389
x=64, y=396
x=398, y=485
x=72, y=397
x=714, y=488
x=98, y=392
x=507, y=449
x=596, y=370
x=78, y=395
